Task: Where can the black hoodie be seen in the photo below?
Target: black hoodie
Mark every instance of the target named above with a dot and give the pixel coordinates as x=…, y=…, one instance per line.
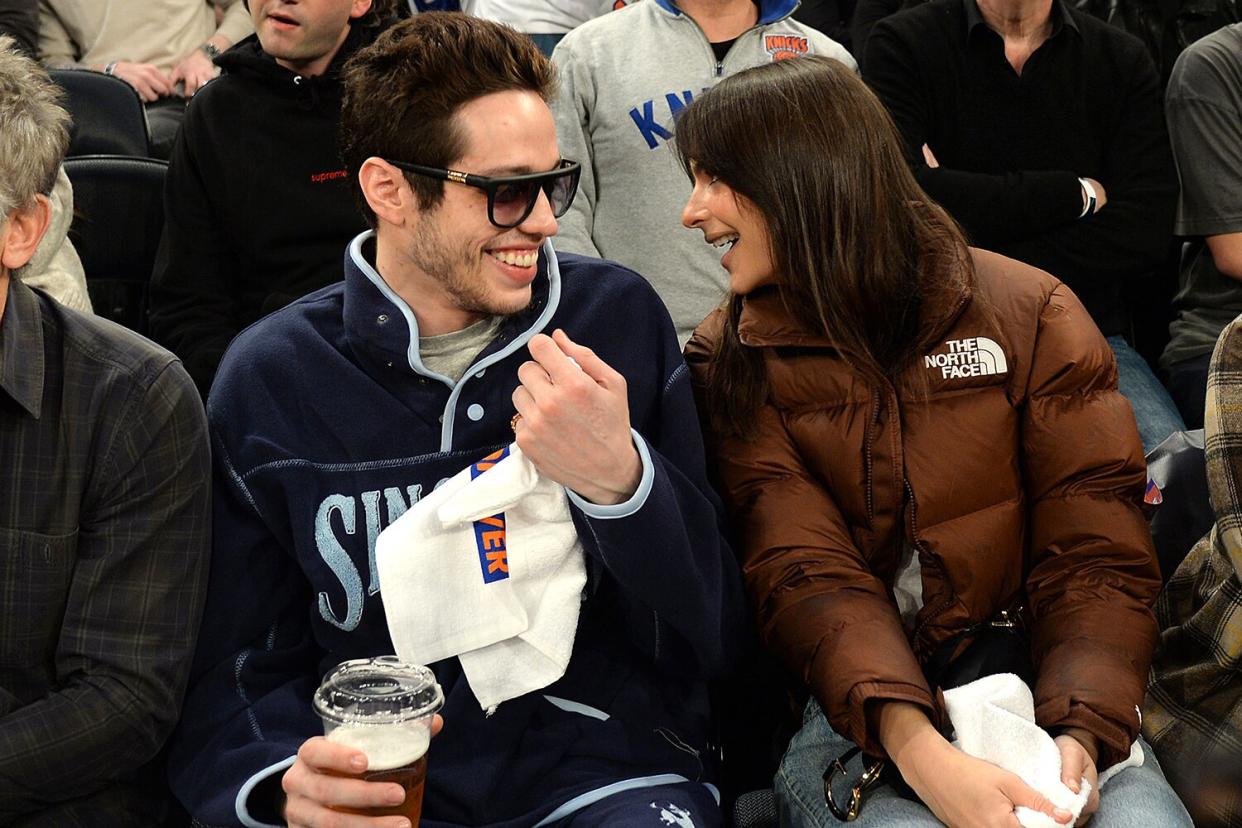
x=258, y=206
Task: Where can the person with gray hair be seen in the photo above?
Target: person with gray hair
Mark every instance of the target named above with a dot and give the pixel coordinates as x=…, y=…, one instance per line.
x=104, y=504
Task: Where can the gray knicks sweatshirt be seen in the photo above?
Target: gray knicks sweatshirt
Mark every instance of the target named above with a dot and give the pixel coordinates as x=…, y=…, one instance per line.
x=624, y=76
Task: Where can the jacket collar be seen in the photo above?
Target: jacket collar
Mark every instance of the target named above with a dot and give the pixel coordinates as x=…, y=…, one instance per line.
x=770, y=11
x=380, y=323
x=21, y=348
x=767, y=322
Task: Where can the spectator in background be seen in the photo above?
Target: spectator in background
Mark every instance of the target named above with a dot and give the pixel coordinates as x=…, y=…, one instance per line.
x=163, y=50
x=546, y=21
x=624, y=78
x=104, y=506
x=19, y=19
x=258, y=204
x=1204, y=107
x=1040, y=129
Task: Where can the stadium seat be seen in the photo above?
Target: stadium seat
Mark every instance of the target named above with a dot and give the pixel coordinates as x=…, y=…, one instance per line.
x=108, y=116
x=116, y=230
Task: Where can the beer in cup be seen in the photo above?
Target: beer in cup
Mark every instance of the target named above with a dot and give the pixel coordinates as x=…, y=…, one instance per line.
x=383, y=707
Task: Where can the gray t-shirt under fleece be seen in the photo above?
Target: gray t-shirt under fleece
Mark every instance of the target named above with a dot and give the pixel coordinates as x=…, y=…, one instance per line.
x=452, y=353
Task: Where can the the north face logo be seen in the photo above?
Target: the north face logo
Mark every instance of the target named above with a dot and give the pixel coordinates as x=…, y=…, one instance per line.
x=974, y=357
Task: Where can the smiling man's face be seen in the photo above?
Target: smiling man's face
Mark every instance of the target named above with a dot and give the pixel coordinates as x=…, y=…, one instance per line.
x=304, y=35
x=466, y=263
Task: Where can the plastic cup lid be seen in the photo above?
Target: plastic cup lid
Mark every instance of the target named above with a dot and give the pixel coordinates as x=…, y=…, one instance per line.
x=377, y=691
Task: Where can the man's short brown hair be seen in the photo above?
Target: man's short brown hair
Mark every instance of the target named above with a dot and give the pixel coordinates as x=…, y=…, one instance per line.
x=403, y=91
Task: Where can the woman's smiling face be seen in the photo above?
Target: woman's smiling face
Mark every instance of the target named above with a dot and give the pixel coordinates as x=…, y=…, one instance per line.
x=728, y=218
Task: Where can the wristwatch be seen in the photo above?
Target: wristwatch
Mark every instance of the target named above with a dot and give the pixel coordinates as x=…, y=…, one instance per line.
x=210, y=50
x=1089, y=200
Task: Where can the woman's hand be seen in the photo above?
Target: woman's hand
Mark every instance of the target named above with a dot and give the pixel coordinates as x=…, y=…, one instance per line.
x=963, y=792
x=1079, y=750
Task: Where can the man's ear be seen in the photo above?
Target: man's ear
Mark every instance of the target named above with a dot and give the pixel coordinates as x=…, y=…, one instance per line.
x=387, y=192
x=23, y=230
x=359, y=8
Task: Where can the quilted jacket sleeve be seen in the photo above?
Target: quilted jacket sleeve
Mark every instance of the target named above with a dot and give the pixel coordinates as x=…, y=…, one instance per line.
x=818, y=605
x=1092, y=576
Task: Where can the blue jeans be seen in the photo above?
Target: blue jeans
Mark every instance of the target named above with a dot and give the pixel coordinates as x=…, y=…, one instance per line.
x=1154, y=409
x=1134, y=797
x=1188, y=388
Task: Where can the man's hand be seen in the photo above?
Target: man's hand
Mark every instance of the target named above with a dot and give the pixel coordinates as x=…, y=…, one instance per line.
x=1079, y=750
x=930, y=157
x=194, y=70
x=575, y=423
x=324, y=779
x=146, y=78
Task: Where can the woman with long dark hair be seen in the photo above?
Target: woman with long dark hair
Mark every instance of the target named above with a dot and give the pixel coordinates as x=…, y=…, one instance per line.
x=919, y=442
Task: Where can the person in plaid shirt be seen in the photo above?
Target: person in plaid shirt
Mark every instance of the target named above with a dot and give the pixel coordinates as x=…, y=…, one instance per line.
x=1193, y=713
x=104, y=504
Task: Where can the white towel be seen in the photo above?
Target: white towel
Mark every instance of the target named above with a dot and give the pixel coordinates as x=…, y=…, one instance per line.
x=488, y=568
x=994, y=719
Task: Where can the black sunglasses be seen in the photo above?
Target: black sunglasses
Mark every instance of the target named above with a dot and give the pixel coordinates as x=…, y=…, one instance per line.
x=511, y=198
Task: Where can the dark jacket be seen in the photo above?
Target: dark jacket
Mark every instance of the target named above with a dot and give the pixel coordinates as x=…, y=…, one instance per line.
x=258, y=204
x=104, y=516
x=1018, y=479
x=311, y=464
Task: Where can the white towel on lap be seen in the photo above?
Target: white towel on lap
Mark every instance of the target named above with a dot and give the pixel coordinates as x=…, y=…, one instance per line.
x=994, y=719
x=488, y=568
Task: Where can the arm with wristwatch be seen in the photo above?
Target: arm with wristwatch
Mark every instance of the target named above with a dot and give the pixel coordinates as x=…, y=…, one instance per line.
x=1093, y=196
x=196, y=68
x=193, y=69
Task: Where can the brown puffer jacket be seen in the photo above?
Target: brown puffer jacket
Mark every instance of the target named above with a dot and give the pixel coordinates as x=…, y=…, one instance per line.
x=1023, y=473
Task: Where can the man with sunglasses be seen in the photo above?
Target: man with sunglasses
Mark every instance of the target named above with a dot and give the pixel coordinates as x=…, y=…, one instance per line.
x=456, y=327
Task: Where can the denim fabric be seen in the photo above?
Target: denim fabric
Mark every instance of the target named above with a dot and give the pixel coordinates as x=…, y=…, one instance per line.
x=1154, y=409
x=1136, y=796
x=1188, y=388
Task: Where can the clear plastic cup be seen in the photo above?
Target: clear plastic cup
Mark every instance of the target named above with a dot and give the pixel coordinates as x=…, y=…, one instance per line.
x=383, y=707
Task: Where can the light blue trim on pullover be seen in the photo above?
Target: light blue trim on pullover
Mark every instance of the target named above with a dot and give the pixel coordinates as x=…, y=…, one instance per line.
x=415, y=360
